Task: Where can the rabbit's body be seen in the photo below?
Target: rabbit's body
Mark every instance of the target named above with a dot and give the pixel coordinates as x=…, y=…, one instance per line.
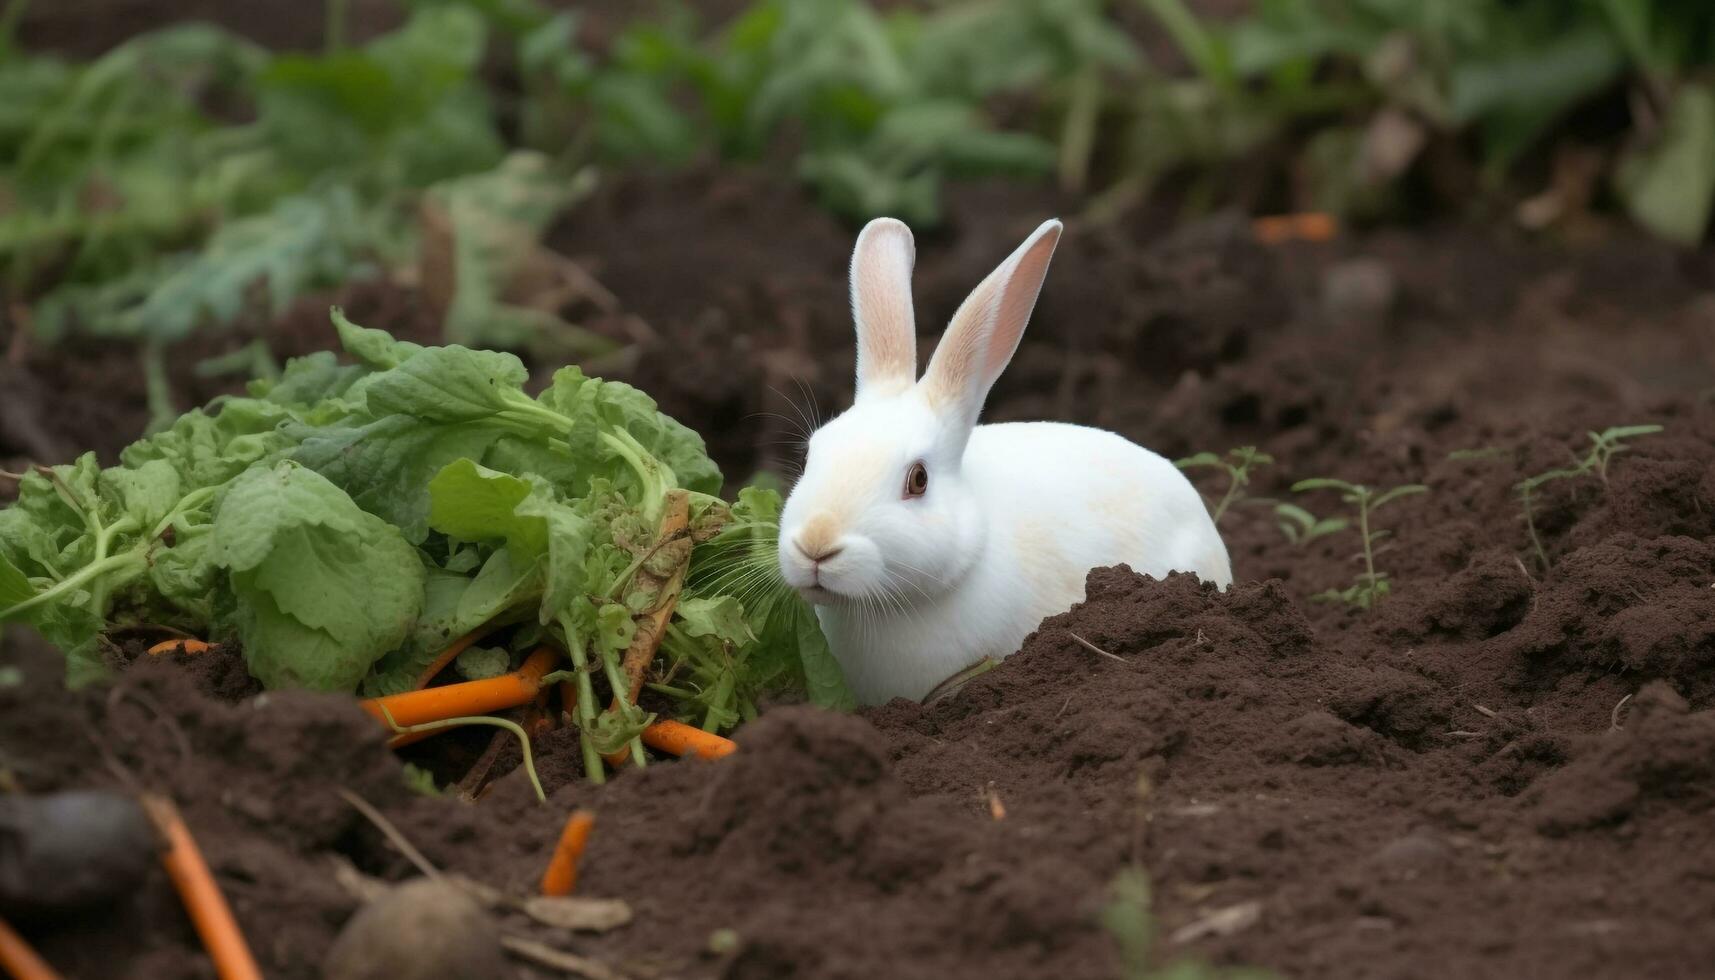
x=929, y=542
x=1031, y=560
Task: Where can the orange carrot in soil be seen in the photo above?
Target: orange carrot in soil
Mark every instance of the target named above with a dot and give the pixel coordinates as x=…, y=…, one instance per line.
x=538, y=718
x=180, y=646
x=203, y=901
x=561, y=875
x=19, y=960
x=1314, y=226
x=482, y=697
x=678, y=738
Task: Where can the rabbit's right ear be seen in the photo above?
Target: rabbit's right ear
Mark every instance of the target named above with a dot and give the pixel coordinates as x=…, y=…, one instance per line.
x=881, y=307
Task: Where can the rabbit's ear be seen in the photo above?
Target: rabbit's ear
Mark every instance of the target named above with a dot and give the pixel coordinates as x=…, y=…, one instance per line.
x=985, y=331
x=881, y=307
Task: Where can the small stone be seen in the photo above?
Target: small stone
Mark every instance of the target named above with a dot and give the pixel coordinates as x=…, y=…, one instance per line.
x=421, y=930
x=1413, y=853
x=1359, y=290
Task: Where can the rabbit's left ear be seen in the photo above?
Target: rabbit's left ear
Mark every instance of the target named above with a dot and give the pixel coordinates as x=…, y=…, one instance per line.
x=986, y=329
x=881, y=308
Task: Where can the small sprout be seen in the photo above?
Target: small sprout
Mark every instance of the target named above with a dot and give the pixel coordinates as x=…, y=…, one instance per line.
x=1130, y=920
x=1371, y=586
x=1486, y=452
x=1604, y=446
x=1610, y=442
x=420, y=780
x=1238, y=464
x=1302, y=527
x=723, y=942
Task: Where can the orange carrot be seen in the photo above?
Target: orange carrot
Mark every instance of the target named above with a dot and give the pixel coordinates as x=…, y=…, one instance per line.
x=180, y=646
x=1313, y=226
x=201, y=896
x=451, y=653
x=678, y=738
x=538, y=720
x=509, y=690
x=19, y=960
x=561, y=875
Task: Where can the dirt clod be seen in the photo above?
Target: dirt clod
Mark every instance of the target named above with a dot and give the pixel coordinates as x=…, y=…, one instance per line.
x=420, y=930
x=70, y=852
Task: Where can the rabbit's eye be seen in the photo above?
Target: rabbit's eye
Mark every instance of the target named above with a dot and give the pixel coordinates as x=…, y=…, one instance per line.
x=916, y=481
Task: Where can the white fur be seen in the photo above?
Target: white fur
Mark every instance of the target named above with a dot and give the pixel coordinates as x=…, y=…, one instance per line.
x=916, y=589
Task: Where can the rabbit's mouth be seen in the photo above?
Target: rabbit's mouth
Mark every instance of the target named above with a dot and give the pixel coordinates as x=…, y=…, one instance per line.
x=819, y=595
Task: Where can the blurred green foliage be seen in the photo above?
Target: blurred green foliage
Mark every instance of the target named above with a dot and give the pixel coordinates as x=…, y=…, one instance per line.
x=1366, y=85
x=188, y=175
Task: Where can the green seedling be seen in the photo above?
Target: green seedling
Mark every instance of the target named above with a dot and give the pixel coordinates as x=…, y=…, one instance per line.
x=1238, y=464
x=420, y=781
x=1484, y=452
x=1302, y=527
x=1371, y=586
x=1604, y=446
x=1129, y=919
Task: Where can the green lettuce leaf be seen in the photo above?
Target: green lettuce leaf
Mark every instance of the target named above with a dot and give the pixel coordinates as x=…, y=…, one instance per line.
x=324, y=589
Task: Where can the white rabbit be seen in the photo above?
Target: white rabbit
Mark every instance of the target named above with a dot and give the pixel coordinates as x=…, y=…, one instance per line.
x=928, y=542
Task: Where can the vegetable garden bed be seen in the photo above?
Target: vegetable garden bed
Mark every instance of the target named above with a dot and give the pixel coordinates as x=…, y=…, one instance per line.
x=1501, y=765
x=1501, y=768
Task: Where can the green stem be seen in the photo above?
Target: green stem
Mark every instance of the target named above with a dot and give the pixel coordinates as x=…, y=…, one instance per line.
x=1227, y=499
x=1530, y=526
x=586, y=704
x=621, y=684
x=132, y=557
x=652, y=474
x=511, y=726
x=717, y=703
x=1369, y=551
x=676, y=693
x=98, y=591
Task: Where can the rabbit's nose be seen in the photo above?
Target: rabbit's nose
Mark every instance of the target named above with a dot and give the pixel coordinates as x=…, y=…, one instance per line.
x=819, y=539
x=818, y=551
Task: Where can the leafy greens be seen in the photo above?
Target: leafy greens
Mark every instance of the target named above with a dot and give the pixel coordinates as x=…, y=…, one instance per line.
x=345, y=522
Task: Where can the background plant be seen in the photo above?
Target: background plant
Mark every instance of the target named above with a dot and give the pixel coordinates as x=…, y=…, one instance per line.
x=1371, y=586
x=1237, y=464
x=136, y=209
x=1604, y=446
x=1364, y=89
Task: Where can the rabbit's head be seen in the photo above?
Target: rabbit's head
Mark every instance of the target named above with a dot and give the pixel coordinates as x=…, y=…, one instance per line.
x=883, y=515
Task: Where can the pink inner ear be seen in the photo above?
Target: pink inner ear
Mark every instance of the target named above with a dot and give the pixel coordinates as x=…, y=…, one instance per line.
x=881, y=305
x=1017, y=300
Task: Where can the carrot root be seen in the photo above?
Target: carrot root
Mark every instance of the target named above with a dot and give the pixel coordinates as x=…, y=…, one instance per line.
x=511, y=690
x=1313, y=226
x=186, y=645
x=678, y=738
x=203, y=901
x=19, y=960
x=561, y=875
